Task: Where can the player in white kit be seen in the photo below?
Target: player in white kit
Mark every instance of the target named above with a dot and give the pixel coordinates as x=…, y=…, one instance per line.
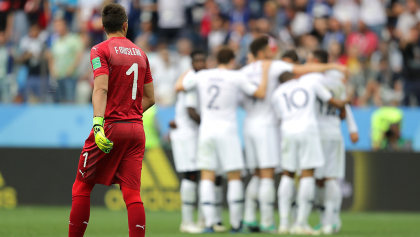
x=295, y=105
x=184, y=135
x=328, y=189
x=261, y=134
x=218, y=144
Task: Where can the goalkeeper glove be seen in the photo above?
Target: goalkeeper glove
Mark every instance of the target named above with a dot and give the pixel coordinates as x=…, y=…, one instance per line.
x=101, y=141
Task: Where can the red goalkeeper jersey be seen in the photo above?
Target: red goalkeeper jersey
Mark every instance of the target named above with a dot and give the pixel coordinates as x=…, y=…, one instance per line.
x=128, y=69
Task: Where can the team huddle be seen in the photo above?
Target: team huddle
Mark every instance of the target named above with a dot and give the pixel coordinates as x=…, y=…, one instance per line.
x=292, y=127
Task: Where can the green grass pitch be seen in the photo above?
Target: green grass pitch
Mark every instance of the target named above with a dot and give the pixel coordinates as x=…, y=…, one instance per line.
x=31, y=221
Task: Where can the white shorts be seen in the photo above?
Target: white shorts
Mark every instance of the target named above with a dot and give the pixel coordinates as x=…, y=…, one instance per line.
x=185, y=154
x=218, y=152
x=301, y=152
x=334, y=155
x=262, y=147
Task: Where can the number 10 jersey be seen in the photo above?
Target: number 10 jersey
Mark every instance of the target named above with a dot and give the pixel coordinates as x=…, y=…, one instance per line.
x=294, y=102
x=128, y=69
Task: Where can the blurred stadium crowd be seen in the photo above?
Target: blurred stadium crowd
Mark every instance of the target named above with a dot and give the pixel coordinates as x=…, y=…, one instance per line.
x=45, y=44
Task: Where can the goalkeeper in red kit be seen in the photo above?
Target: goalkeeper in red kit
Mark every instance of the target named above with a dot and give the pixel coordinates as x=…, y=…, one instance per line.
x=113, y=152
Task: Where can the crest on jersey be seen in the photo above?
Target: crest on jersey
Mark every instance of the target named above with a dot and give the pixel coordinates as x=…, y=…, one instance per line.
x=96, y=63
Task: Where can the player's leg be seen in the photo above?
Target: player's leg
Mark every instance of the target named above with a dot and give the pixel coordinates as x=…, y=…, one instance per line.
x=219, y=204
x=235, y=197
x=251, y=199
x=207, y=163
x=268, y=159
x=80, y=208
x=319, y=198
x=135, y=212
x=285, y=199
x=251, y=192
x=338, y=174
x=310, y=157
x=218, y=227
x=332, y=196
x=230, y=157
x=266, y=198
x=208, y=198
x=129, y=175
x=337, y=219
x=305, y=198
x=289, y=163
x=188, y=192
x=320, y=183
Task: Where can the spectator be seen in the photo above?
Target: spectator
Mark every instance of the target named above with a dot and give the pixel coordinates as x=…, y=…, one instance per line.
x=320, y=28
x=382, y=87
x=218, y=33
x=5, y=69
x=211, y=10
x=410, y=50
x=363, y=39
x=270, y=13
x=146, y=30
x=240, y=12
x=347, y=13
x=32, y=47
x=334, y=34
x=184, y=52
x=165, y=72
x=84, y=74
x=373, y=14
x=408, y=19
x=171, y=19
x=66, y=51
x=301, y=24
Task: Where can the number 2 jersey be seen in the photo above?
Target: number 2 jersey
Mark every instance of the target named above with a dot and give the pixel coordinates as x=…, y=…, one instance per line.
x=128, y=69
x=294, y=103
x=218, y=91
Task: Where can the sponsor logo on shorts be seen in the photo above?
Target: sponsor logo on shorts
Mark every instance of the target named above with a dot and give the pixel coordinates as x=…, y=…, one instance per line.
x=85, y=222
x=140, y=226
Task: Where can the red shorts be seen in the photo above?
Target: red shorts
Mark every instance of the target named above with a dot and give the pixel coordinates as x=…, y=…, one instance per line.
x=122, y=165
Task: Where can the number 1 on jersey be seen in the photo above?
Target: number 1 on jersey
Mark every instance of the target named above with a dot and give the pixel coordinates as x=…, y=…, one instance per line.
x=134, y=68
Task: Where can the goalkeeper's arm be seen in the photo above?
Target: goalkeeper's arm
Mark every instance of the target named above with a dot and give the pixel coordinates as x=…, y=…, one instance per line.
x=99, y=97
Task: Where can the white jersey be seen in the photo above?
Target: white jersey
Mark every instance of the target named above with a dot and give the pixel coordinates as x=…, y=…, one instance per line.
x=218, y=91
x=328, y=116
x=295, y=104
x=186, y=127
x=260, y=111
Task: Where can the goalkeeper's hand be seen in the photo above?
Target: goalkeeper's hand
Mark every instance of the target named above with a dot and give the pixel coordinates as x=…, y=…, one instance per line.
x=101, y=141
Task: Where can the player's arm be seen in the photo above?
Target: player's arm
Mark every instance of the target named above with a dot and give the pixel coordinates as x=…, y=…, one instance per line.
x=179, y=85
x=191, y=101
x=194, y=115
x=342, y=114
x=100, y=95
x=338, y=103
x=148, y=96
x=99, y=98
x=351, y=125
x=316, y=67
x=323, y=94
x=262, y=88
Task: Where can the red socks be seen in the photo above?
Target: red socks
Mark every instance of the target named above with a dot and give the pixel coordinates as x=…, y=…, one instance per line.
x=135, y=211
x=80, y=209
